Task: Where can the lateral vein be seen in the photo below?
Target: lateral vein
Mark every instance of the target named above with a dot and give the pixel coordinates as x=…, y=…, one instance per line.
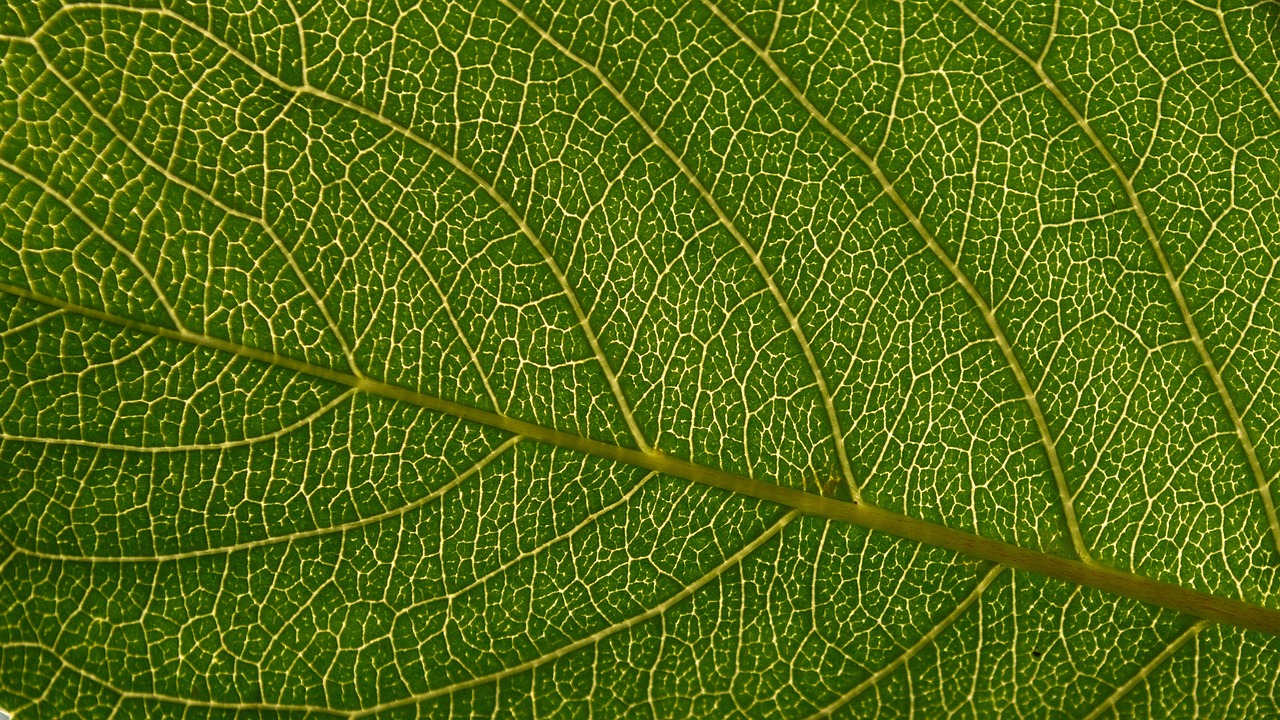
x=175, y=699
x=276, y=434
x=1175, y=286
x=598, y=635
x=580, y=313
x=984, y=308
x=1147, y=669
x=96, y=229
x=457, y=480
x=793, y=322
x=924, y=641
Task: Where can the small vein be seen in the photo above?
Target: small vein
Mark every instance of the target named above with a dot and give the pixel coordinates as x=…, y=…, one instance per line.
x=97, y=230
x=598, y=635
x=177, y=700
x=1095, y=575
x=1239, y=60
x=924, y=641
x=462, y=477
x=984, y=308
x=302, y=39
x=446, y=306
x=589, y=520
x=191, y=447
x=33, y=322
x=561, y=279
x=1175, y=286
x=259, y=220
x=793, y=321
x=1146, y=670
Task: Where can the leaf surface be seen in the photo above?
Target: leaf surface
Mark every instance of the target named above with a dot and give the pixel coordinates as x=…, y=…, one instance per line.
x=712, y=359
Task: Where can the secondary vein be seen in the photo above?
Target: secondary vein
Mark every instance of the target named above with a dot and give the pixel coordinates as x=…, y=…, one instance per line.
x=1110, y=701
x=921, y=643
x=793, y=321
x=984, y=308
x=580, y=312
x=1166, y=268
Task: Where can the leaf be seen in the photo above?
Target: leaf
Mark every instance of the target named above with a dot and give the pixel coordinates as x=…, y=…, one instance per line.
x=391, y=360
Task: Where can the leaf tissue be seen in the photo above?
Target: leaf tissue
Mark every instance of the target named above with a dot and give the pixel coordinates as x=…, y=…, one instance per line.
x=710, y=358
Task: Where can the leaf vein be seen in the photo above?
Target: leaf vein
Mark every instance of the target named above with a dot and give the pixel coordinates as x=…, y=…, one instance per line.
x=988, y=315
x=1175, y=286
x=1095, y=575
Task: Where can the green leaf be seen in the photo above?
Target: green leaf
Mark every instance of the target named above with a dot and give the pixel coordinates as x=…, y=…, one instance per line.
x=374, y=359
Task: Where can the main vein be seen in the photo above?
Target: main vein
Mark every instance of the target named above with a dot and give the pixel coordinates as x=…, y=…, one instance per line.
x=1107, y=579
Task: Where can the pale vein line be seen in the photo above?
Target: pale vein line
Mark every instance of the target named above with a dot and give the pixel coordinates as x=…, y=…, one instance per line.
x=530, y=664
x=924, y=641
x=259, y=220
x=302, y=40
x=590, y=519
x=93, y=226
x=598, y=635
x=988, y=315
x=9, y=332
x=489, y=189
x=193, y=447
x=792, y=320
x=1147, y=669
x=445, y=304
x=267, y=227
x=440, y=293
x=1239, y=60
x=1094, y=575
x=1242, y=433
x=185, y=702
x=1266, y=94
x=290, y=537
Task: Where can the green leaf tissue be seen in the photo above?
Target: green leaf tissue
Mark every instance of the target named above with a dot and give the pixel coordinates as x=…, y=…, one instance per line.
x=400, y=359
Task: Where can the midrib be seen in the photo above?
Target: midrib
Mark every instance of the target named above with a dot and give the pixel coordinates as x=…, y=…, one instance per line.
x=1107, y=579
